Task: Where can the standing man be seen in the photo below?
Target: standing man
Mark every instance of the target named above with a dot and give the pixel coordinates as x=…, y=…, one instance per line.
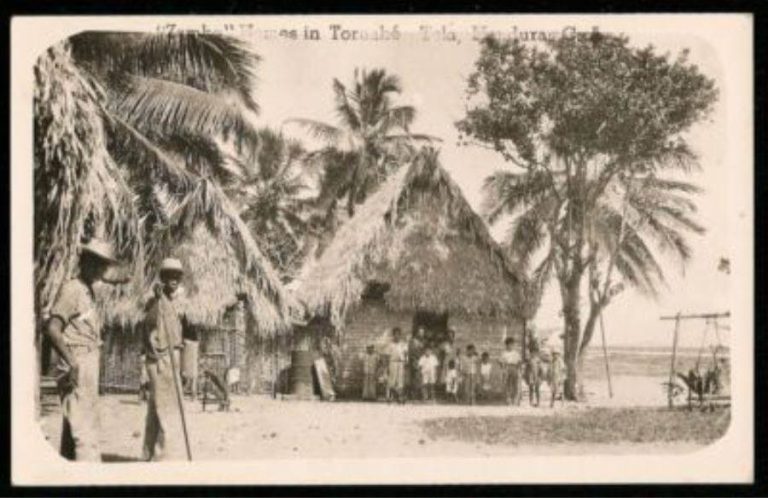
x=164, y=323
x=74, y=329
x=398, y=356
x=415, y=350
x=510, y=364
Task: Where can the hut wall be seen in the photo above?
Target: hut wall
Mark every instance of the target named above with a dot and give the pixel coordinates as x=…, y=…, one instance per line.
x=364, y=326
x=120, y=365
x=220, y=346
x=266, y=362
x=486, y=333
x=367, y=323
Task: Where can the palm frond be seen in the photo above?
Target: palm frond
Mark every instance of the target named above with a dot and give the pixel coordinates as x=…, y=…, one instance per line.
x=160, y=107
x=506, y=192
x=322, y=131
x=207, y=61
x=401, y=116
x=410, y=137
x=346, y=111
x=527, y=234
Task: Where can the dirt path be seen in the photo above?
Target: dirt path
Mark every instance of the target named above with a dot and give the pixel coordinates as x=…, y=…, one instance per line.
x=260, y=427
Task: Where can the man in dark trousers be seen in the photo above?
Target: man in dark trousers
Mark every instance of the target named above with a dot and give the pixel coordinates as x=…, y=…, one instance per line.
x=74, y=328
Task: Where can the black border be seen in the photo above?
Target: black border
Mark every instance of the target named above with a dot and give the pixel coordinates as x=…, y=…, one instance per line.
x=758, y=9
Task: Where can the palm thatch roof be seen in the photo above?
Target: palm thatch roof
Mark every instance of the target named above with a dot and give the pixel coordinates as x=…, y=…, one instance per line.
x=417, y=235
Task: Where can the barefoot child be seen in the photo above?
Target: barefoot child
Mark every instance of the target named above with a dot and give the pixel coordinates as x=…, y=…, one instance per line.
x=557, y=375
x=469, y=374
x=452, y=381
x=533, y=374
x=428, y=369
x=485, y=376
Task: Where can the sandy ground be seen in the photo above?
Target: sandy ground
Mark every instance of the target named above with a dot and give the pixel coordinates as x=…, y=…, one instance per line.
x=262, y=427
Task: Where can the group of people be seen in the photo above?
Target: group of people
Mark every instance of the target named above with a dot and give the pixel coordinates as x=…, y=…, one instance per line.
x=73, y=327
x=414, y=369
x=418, y=370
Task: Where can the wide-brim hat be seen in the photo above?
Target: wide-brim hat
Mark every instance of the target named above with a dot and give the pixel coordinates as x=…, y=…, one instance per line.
x=101, y=249
x=171, y=265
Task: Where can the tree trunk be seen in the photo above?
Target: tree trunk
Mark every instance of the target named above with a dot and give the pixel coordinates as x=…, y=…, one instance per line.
x=572, y=317
x=525, y=340
x=589, y=328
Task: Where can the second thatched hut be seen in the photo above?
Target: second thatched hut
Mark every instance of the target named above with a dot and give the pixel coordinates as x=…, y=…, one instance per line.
x=414, y=255
x=234, y=304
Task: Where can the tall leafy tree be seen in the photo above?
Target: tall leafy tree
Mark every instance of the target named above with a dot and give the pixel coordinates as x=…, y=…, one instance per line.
x=595, y=131
x=369, y=140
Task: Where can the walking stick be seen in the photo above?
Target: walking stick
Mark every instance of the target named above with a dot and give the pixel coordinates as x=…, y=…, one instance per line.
x=176, y=386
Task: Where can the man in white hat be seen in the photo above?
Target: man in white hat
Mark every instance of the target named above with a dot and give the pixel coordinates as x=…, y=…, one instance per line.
x=74, y=328
x=164, y=323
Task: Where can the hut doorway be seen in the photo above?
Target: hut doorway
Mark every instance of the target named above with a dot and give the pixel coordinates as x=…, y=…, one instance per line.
x=435, y=326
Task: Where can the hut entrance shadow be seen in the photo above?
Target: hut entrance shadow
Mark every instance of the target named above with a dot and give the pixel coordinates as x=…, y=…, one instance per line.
x=435, y=326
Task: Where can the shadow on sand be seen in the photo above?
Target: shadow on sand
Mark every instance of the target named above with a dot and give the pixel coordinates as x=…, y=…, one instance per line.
x=114, y=458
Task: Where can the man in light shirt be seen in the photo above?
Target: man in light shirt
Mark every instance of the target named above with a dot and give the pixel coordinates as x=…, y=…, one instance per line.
x=510, y=364
x=74, y=328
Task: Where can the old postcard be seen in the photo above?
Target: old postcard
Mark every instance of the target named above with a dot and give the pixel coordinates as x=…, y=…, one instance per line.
x=382, y=249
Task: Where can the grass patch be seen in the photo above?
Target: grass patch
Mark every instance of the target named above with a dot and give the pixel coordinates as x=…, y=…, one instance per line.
x=596, y=425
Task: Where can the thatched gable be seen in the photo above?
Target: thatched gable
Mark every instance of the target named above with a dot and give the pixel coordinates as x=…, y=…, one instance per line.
x=417, y=235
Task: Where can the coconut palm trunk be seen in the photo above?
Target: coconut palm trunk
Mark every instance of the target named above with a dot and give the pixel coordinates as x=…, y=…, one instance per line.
x=571, y=293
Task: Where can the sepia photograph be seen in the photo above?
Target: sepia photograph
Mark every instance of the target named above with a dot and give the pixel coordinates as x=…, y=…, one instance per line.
x=382, y=249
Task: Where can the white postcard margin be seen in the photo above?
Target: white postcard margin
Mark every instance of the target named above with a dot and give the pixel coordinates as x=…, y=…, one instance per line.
x=35, y=462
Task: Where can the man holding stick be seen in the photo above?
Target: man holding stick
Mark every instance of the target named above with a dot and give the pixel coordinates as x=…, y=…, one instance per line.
x=165, y=436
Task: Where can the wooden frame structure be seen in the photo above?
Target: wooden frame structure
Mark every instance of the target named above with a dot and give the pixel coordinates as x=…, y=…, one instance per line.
x=678, y=318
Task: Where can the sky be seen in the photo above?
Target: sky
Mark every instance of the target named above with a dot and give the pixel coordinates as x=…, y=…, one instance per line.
x=295, y=80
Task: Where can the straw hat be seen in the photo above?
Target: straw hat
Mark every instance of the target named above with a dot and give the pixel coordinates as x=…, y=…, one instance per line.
x=100, y=249
x=171, y=264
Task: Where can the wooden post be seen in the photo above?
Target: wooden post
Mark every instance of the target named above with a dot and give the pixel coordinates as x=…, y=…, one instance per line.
x=276, y=371
x=672, y=364
x=525, y=340
x=605, y=356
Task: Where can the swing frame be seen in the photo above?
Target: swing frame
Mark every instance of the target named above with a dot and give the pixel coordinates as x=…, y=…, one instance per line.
x=679, y=317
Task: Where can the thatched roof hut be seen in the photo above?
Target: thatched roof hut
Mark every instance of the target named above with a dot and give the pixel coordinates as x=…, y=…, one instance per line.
x=417, y=237
x=213, y=283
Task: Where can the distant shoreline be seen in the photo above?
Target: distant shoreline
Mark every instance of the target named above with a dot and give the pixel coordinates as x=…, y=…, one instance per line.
x=658, y=351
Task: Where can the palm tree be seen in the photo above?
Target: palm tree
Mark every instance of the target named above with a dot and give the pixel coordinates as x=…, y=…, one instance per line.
x=639, y=219
x=370, y=140
x=273, y=200
x=131, y=139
